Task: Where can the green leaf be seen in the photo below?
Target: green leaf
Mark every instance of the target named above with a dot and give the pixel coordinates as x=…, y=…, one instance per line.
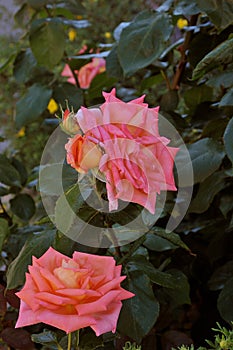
x=100, y=82
x=125, y=234
x=206, y=192
x=169, y=101
x=23, y=206
x=32, y=105
x=19, y=166
x=220, y=276
x=131, y=322
x=69, y=92
x=89, y=341
x=228, y=140
x=186, y=8
x=226, y=203
x=4, y=190
x=8, y=174
x=180, y=295
x=220, y=55
x=158, y=244
x=7, y=61
x=223, y=79
x=206, y=156
x=196, y=95
x=140, y=263
x=214, y=128
x=37, y=4
x=66, y=207
x=34, y=246
x=143, y=40
x=63, y=244
x=23, y=15
x=4, y=230
x=47, y=41
x=113, y=66
x=165, y=6
x=151, y=81
x=225, y=301
x=227, y=99
x=47, y=338
x=172, y=237
x=74, y=6
x=24, y=66
x=47, y=184
x=219, y=12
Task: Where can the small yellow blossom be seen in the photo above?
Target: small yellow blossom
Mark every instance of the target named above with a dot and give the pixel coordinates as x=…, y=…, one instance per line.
x=79, y=17
x=21, y=132
x=223, y=344
x=72, y=34
x=181, y=23
x=52, y=106
x=107, y=35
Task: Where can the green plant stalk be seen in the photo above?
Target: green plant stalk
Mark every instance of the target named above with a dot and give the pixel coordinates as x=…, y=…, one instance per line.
x=69, y=341
x=59, y=347
x=77, y=339
x=133, y=248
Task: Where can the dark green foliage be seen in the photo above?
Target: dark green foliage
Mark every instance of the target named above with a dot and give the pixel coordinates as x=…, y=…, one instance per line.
x=178, y=278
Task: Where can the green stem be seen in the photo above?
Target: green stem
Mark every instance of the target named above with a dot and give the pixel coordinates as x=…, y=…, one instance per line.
x=132, y=249
x=77, y=339
x=69, y=341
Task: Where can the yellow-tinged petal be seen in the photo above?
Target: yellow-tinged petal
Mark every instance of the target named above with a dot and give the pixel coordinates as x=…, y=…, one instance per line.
x=21, y=132
x=107, y=35
x=181, y=23
x=72, y=34
x=52, y=106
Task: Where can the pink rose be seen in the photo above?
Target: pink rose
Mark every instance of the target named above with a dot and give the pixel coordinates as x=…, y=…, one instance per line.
x=86, y=73
x=137, y=162
x=72, y=293
x=67, y=72
x=82, y=154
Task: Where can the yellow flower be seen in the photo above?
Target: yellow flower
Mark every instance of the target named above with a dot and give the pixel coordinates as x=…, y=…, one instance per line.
x=72, y=34
x=52, y=106
x=79, y=17
x=181, y=23
x=21, y=132
x=223, y=344
x=107, y=35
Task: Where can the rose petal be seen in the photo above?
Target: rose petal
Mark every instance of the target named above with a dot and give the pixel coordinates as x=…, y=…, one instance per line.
x=99, y=305
x=26, y=316
x=104, y=265
x=106, y=322
x=65, y=322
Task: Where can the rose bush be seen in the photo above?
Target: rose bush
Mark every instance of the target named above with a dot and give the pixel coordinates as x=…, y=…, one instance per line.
x=72, y=293
x=135, y=160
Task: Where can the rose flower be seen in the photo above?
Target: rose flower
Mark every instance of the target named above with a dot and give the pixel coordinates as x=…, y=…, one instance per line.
x=86, y=73
x=136, y=161
x=72, y=293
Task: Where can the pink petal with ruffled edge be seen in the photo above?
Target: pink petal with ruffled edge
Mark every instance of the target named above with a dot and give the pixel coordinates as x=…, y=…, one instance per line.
x=66, y=322
x=107, y=321
x=102, y=265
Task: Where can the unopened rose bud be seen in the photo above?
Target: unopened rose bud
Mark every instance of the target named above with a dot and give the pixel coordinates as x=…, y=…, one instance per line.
x=82, y=154
x=69, y=122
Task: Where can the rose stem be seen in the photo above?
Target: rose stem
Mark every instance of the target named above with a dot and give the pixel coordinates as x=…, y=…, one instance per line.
x=77, y=339
x=69, y=341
